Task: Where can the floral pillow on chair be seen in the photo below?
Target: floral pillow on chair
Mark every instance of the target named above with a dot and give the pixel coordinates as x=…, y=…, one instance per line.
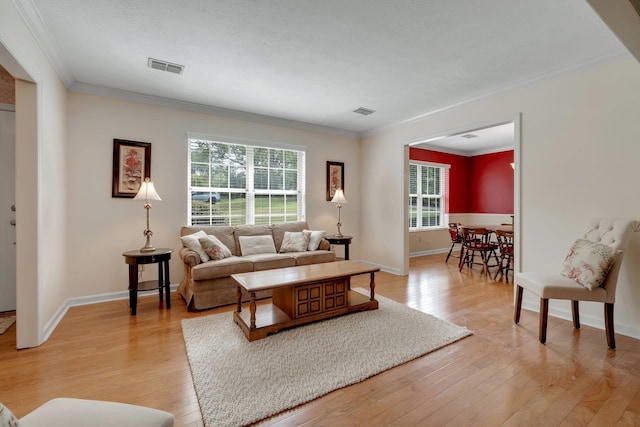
x=588, y=263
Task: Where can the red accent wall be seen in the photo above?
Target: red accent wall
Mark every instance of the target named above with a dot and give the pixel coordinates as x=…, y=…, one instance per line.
x=477, y=184
x=492, y=183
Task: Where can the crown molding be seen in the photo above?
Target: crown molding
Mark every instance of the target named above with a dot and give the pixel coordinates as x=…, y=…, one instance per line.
x=615, y=55
x=91, y=89
x=31, y=17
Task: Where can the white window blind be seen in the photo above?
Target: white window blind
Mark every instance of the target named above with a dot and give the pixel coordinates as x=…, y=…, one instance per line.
x=427, y=195
x=242, y=183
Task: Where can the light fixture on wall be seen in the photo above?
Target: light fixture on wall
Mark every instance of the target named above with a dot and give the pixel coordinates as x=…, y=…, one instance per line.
x=513, y=166
x=339, y=198
x=147, y=192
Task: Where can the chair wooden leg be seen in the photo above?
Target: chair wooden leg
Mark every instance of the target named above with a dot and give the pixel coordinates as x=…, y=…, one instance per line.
x=450, y=250
x=544, y=314
x=608, y=325
x=576, y=314
x=518, y=307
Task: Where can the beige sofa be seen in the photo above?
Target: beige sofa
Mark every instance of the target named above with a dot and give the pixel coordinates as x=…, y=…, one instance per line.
x=208, y=284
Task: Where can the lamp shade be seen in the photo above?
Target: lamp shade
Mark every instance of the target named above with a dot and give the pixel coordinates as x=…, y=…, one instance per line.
x=147, y=191
x=338, y=197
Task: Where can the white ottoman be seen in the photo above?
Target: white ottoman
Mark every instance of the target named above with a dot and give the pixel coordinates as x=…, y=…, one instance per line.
x=63, y=412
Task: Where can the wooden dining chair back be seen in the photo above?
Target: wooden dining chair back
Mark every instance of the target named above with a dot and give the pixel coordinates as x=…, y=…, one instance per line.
x=505, y=249
x=456, y=239
x=589, y=273
x=477, y=241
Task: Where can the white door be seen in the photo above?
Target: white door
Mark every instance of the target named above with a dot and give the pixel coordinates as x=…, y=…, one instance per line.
x=7, y=211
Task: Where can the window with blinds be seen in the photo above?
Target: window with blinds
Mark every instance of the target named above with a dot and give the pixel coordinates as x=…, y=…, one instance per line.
x=234, y=184
x=427, y=195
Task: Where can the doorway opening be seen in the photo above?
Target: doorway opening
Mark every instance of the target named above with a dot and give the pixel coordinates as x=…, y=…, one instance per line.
x=498, y=138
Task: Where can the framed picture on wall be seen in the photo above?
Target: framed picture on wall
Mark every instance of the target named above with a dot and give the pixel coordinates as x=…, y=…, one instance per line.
x=335, y=178
x=131, y=165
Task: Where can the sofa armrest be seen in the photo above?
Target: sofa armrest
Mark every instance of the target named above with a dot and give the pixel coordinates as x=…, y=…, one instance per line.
x=189, y=257
x=324, y=245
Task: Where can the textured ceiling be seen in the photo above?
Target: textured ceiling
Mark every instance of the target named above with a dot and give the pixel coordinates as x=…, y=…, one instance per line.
x=315, y=61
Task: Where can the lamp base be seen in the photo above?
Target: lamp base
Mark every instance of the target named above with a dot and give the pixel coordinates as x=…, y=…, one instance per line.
x=147, y=246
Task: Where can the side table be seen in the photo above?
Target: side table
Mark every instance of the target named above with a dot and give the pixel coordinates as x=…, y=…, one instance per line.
x=341, y=240
x=134, y=258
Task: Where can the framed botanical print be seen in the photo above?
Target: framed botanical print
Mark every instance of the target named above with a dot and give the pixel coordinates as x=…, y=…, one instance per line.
x=131, y=165
x=335, y=178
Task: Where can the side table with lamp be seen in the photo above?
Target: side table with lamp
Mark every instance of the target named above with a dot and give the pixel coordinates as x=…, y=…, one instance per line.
x=148, y=255
x=339, y=238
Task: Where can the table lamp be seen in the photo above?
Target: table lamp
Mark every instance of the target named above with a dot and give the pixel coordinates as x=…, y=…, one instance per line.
x=339, y=198
x=147, y=192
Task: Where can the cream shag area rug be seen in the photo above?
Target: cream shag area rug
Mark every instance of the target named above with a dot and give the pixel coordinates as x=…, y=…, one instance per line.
x=240, y=382
x=6, y=322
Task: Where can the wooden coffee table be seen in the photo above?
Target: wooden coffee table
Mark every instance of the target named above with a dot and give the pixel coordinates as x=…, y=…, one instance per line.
x=301, y=295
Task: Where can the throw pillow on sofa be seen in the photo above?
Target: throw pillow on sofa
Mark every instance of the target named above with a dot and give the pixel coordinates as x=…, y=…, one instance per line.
x=315, y=239
x=191, y=241
x=295, y=241
x=7, y=419
x=251, y=245
x=214, y=247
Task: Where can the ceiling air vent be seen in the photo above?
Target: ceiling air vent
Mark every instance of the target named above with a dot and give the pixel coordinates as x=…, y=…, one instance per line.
x=470, y=135
x=364, y=111
x=157, y=64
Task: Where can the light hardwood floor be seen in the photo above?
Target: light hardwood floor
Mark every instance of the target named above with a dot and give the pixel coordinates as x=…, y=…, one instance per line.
x=501, y=375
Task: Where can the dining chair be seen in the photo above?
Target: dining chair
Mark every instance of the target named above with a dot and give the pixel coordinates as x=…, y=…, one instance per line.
x=456, y=239
x=505, y=247
x=477, y=241
x=589, y=273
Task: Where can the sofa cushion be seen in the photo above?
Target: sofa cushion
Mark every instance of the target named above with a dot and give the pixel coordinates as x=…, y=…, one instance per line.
x=250, y=245
x=192, y=242
x=313, y=257
x=214, y=247
x=295, y=241
x=221, y=268
x=224, y=233
x=280, y=228
x=270, y=261
x=249, y=230
x=315, y=239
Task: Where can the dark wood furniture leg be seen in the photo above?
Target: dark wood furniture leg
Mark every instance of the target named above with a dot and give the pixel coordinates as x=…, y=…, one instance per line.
x=575, y=313
x=252, y=309
x=372, y=285
x=161, y=281
x=167, y=283
x=544, y=314
x=133, y=288
x=608, y=325
x=239, y=297
x=518, y=307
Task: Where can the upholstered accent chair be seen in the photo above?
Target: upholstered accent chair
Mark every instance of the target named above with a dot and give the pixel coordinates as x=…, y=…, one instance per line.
x=590, y=273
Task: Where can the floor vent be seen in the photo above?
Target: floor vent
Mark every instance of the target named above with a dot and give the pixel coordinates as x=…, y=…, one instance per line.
x=157, y=64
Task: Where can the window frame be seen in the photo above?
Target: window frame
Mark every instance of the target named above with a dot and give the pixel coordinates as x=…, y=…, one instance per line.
x=443, y=214
x=250, y=192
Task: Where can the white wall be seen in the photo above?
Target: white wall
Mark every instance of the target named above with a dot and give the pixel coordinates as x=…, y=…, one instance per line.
x=100, y=227
x=579, y=159
x=40, y=177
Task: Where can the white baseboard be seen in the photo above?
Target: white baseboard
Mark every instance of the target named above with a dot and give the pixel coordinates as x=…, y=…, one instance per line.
x=586, y=319
x=384, y=268
x=91, y=299
x=429, y=252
